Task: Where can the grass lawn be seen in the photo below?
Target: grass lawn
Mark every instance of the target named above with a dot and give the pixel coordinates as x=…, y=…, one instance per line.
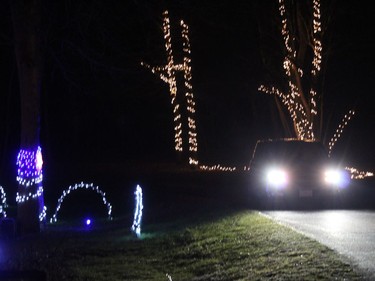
x=233, y=245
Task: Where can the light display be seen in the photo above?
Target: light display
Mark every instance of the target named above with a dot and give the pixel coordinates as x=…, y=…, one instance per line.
x=138, y=211
x=43, y=214
x=339, y=130
x=84, y=186
x=217, y=167
x=3, y=202
x=29, y=163
x=358, y=175
x=30, y=177
x=167, y=73
x=302, y=107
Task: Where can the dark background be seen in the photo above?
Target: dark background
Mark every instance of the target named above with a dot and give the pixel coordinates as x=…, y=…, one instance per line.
x=101, y=107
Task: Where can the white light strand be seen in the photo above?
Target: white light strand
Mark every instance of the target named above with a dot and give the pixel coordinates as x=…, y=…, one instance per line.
x=138, y=211
x=339, y=130
x=193, y=143
x=43, y=214
x=26, y=197
x=301, y=112
x=296, y=110
x=284, y=29
x=217, y=167
x=3, y=204
x=83, y=186
x=167, y=73
x=29, y=163
x=317, y=60
x=31, y=196
x=358, y=175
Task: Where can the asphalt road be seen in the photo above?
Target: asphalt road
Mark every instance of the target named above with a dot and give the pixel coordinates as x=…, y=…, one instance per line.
x=349, y=232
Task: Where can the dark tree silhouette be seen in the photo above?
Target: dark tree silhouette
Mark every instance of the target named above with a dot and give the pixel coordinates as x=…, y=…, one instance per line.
x=26, y=16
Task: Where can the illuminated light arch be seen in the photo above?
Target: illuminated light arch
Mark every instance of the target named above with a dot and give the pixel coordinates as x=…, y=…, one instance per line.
x=84, y=186
x=3, y=202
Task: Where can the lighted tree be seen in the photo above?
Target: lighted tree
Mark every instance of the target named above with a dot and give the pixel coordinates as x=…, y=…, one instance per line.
x=183, y=119
x=26, y=26
x=301, y=31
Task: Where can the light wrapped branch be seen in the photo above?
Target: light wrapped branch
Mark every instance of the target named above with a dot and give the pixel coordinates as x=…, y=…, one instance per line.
x=167, y=73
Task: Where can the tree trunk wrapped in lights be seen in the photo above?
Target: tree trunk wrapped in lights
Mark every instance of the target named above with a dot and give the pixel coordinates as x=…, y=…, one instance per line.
x=301, y=31
x=26, y=16
x=183, y=104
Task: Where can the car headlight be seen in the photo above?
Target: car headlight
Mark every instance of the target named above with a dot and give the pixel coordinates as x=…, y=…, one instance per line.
x=277, y=177
x=336, y=177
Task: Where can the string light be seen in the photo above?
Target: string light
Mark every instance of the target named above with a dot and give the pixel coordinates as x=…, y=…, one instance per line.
x=43, y=214
x=217, y=167
x=29, y=196
x=339, y=131
x=83, y=186
x=138, y=211
x=3, y=199
x=356, y=174
x=30, y=177
x=167, y=73
x=301, y=112
x=29, y=164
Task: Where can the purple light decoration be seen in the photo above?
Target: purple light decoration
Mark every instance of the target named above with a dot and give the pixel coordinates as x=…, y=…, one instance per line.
x=88, y=222
x=30, y=174
x=29, y=164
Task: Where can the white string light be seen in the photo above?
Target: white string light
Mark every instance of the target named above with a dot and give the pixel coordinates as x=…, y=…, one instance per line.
x=358, y=175
x=29, y=163
x=217, y=167
x=43, y=214
x=83, y=186
x=30, y=177
x=301, y=112
x=167, y=73
x=339, y=131
x=138, y=211
x=3, y=199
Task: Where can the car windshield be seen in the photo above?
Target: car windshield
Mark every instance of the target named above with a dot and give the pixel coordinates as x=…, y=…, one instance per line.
x=289, y=151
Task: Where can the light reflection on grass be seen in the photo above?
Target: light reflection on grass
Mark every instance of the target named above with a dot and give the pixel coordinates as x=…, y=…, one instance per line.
x=238, y=246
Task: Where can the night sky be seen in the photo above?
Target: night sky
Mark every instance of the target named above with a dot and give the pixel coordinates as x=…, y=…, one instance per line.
x=100, y=105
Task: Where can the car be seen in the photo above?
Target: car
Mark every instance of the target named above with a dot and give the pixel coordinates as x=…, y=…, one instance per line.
x=292, y=171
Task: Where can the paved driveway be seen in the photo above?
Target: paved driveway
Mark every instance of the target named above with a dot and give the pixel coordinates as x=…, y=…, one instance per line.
x=351, y=233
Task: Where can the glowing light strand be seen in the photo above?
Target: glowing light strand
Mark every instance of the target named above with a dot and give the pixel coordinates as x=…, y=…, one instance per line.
x=138, y=211
x=84, y=186
x=317, y=59
x=30, y=176
x=358, y=175
x=167, y=73
x=301, y=112
x=339, y=130
x=193, y=143
x=29, y=164
x=217, y=167
x=3, y=203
